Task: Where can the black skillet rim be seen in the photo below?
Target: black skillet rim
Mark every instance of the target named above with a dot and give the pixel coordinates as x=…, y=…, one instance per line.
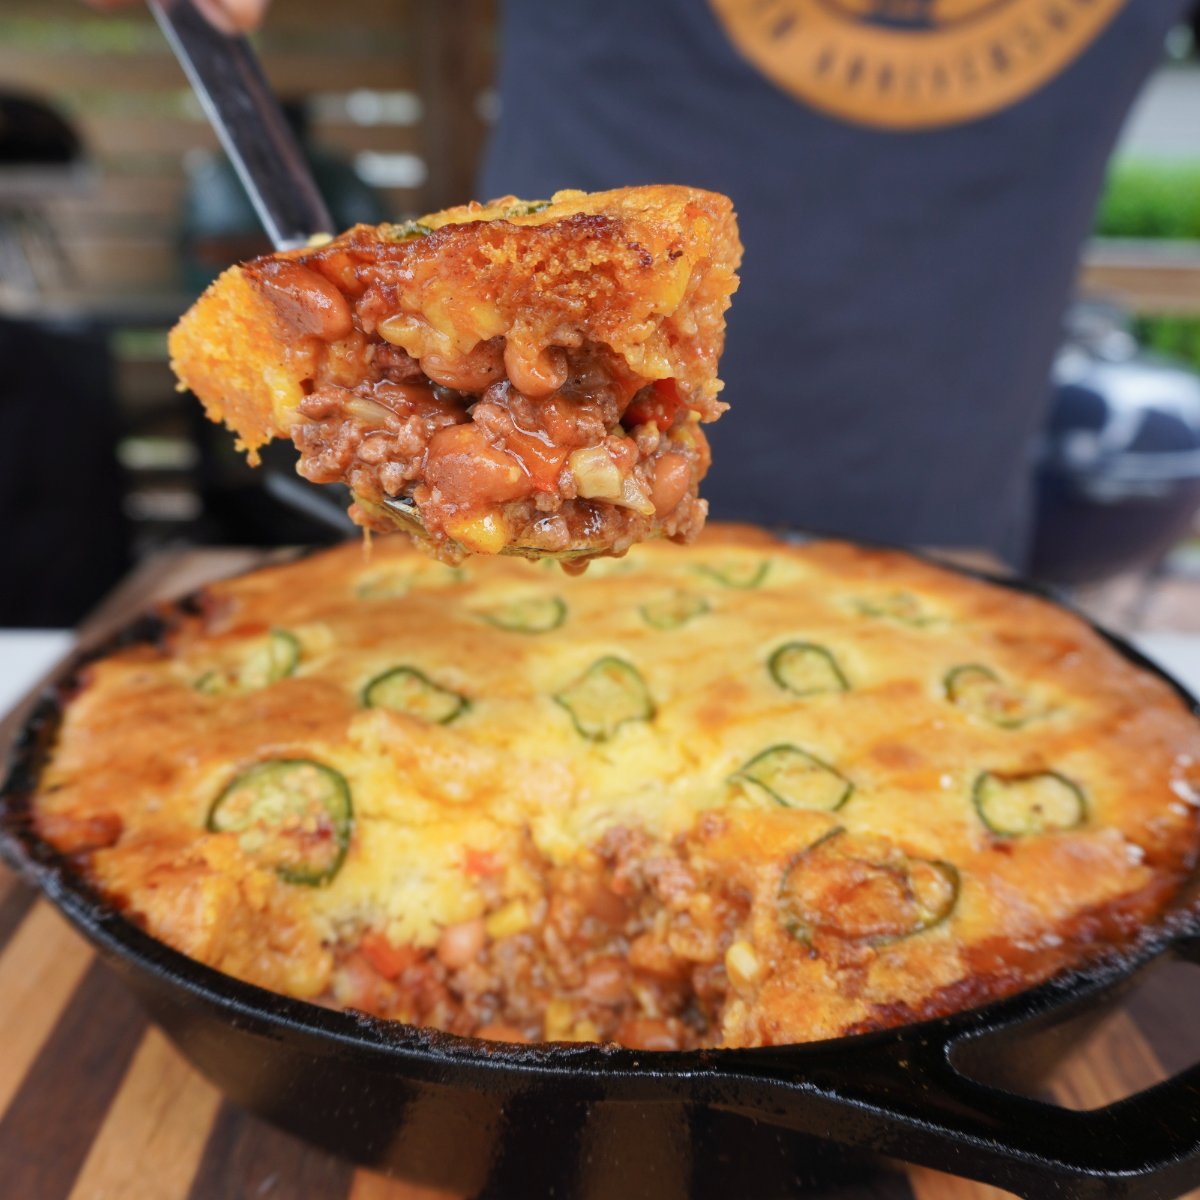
x=43, y=867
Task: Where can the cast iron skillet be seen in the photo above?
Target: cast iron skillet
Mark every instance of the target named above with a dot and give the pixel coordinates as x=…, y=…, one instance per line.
x=487, y=1119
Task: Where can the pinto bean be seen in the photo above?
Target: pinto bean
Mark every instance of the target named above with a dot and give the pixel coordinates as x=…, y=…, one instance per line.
x=306, y=300
x=355, y=984
x=472, y=372
x=672, y=475
x=604, y=905
x=460, y=944
x=606, y=981
x=535, y=373
x=468, y=470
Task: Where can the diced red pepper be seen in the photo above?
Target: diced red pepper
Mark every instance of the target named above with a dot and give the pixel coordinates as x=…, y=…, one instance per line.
x=541, y=460
x=658, y=405
x=248, y=629
x=481, y=862
x=386, y=959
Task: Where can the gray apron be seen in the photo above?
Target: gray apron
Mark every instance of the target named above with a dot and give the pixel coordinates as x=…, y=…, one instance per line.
x=903, y=288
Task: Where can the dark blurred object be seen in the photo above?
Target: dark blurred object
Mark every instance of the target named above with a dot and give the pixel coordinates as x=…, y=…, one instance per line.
x=1119, y=466
x=245, y=114
x=33, y=134
x=41, y=156
x=62, y=534
x=269, y=505
x=219, y=224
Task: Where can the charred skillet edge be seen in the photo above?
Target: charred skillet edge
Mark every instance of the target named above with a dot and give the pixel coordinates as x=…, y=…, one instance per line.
x=45, y=868
x=31, y=747
x=34, y=741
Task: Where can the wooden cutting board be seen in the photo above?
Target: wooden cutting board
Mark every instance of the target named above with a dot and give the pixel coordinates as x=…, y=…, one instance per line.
x=95, y=1104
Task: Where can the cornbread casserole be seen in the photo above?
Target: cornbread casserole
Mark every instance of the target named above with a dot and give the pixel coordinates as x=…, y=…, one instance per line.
x=734, y=794
x=525, y=377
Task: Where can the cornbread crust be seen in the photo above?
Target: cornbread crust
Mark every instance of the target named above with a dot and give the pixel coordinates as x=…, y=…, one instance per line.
x=509, y=877
x=585, y=299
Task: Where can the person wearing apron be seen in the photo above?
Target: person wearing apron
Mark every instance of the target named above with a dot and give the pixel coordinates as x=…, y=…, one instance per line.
x=914, y=181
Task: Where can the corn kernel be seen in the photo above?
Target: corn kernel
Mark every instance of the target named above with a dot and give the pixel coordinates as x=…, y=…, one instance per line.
x=513, y=918
x=673, y=285
x=560, y=1020
x=400, y=329
x=742, y=965
x=633, y=496
x=597, y=477
x=485, y=533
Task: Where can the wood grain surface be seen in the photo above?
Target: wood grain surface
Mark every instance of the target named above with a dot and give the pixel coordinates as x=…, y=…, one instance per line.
x=95, y=1104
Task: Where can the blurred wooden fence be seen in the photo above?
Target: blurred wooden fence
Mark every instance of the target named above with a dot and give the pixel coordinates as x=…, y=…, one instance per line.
x=402, y=85
x=1150, y=277
x=403, y=82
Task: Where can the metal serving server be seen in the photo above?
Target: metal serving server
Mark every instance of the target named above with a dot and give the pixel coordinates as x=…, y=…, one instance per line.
x=229, y=82
x=238, y=101
x=241, y=107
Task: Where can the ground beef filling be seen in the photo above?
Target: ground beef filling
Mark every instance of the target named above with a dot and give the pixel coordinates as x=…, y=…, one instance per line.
x=627, y=948
x=592, y=464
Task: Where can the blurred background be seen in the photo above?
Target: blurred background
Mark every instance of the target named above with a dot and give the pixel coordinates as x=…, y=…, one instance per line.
x=116, y=208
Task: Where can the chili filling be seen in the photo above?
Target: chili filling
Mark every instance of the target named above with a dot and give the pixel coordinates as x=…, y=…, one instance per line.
x=496, y=469
x=520, y=378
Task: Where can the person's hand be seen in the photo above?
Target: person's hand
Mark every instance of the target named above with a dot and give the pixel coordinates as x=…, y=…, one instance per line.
x=229, y=16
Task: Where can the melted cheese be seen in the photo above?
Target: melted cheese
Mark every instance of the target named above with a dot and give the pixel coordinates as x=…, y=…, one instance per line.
x=141, y=742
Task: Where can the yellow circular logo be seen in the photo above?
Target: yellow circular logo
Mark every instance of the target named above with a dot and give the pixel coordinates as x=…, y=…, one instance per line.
x=912, y=64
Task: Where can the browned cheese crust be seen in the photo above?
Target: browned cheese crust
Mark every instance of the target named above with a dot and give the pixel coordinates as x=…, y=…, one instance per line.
x=530, y=376
x=830, y=789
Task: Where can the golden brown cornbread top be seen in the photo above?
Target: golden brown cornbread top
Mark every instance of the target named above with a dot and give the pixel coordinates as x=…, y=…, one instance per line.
x=144, y=752
x=646, y=272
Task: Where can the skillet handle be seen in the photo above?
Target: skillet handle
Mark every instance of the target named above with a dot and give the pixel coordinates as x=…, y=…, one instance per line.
x=909, y=1098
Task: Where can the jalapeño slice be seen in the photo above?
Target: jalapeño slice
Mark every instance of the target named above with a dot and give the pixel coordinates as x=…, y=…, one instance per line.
x=405, y=230
x=902, y=607
x=806, y=669
x=383, y=585
x=1030, y=802
x=212, y=683
x=609, y=694
x=526, y=208
x=275, y=658
x=293, y=813
x=529, y=614
x=673, y=611
x=864, y=889
x=979, y=691
x=407, y=690
x=795, y=779
x=392, y=582
x=735, y=574
x=272, y=658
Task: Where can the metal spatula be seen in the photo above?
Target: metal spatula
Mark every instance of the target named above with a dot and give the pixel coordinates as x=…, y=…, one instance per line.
x=242, y=108
x=239, y=103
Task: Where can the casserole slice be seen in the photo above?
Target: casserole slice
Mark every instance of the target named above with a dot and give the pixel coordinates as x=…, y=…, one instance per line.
x=517, y=377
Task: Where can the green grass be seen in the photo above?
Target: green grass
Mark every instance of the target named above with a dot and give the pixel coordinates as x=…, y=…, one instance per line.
x=1147, y=199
